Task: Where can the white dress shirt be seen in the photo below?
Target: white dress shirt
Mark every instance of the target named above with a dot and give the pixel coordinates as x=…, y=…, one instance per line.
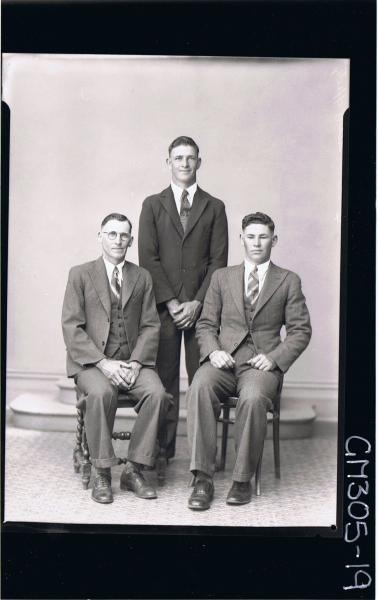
x=110, y=268
x=177, y=192
x=261, y=272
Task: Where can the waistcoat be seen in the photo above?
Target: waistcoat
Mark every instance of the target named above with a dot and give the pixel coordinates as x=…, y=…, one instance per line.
x=117, y=343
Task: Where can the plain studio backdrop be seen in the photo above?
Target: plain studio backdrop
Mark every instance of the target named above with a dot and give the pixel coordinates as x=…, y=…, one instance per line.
x=89, y=136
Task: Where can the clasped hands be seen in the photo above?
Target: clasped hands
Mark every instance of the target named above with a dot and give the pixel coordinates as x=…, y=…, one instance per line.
x=122, y=374
x=184, y=314
x=223, y=360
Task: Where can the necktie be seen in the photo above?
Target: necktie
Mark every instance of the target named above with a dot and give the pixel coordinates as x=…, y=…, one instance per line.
x=115, y=284
x=184, y=209
x=253, y=285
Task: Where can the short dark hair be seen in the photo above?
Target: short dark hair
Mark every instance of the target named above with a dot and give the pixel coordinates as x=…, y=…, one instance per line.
x=116, y=217
x=183, y=140
x=258, y=217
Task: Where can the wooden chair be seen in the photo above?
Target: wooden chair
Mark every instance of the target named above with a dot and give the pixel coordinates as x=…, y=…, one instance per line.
x=226, y=420
x=81, y=457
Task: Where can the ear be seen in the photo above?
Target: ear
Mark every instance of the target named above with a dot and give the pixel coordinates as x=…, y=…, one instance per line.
x=274, y=240
x=130, y=242
x=241, y=235
x=199, y=161
x=99, y=237
x=168, y=162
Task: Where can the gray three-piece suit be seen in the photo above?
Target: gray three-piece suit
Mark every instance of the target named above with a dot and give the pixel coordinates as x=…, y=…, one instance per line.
x=96, y=325
x=229, y=322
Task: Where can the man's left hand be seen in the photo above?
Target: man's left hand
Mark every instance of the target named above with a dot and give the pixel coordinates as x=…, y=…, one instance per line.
x=262, y=362
x=132, y=370
x=186, y=314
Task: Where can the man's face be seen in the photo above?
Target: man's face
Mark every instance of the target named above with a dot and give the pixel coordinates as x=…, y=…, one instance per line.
x=183, y=164
x=258, y=242
x=114, y=250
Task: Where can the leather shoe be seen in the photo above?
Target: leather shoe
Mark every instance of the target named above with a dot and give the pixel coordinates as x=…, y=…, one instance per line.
x=202, y=494
x=240, y=493
x=102, y=491
x=135, y=482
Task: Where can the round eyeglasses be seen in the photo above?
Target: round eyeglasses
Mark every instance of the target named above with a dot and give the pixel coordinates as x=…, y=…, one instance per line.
x=112, y=235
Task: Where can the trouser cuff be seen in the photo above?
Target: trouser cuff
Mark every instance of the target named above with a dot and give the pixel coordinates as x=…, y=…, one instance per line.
x=242, y=477
x=103, y=463
x=148, y=461
x=201, y=467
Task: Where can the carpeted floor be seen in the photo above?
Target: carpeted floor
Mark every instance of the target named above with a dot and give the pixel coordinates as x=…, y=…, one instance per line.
x=40, y=486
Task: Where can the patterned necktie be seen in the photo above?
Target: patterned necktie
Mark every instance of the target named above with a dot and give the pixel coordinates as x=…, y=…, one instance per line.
x=253, y=285
x=184, y=209
x=115, y=284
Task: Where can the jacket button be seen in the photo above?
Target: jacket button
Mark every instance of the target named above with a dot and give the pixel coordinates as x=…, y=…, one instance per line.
x=103, y=343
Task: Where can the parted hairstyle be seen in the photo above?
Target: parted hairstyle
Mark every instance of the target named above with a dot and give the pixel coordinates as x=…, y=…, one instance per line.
x=116, y=217
x=258, y=217
x=183, y=140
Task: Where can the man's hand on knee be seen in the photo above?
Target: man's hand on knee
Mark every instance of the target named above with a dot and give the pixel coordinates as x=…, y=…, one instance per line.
x=262, y=362
x=115, y=370
x=221, y=359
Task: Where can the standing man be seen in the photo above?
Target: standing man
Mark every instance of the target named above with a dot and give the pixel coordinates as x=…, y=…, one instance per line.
x=111, y=331
x=183, y=238
x=242, y=353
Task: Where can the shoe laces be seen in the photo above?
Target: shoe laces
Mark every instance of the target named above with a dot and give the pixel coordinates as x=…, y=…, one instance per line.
x=202, y=486
x=102, y=480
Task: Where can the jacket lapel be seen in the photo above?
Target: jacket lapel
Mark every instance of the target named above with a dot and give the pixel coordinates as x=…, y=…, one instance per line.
x=129, y=278
x=199, y=204
x=236, y=286
x=168, y=201
x=100, y=283
x=273, y=280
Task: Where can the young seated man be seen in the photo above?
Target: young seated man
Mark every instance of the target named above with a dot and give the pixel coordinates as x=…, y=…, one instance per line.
x=242, y=353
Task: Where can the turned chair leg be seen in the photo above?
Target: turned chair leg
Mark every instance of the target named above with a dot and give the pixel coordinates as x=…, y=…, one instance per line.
x=78, y=450
x=276, y=444
x=86, y=464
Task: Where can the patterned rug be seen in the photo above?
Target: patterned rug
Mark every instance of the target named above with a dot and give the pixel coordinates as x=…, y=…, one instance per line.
x=41, y=486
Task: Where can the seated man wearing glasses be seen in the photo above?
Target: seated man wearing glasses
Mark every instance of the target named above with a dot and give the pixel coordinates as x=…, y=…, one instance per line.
x=111, y=331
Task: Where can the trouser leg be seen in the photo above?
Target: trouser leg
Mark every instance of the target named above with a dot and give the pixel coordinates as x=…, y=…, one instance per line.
x=100, y=409
x=192, y=355
x=168, y=368
x=208, y=387
x=256, y=390
x=152, y=405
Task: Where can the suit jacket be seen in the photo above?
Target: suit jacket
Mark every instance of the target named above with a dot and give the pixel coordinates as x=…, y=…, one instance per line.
x=223, y=325
x=176, y=260
x=86, y=315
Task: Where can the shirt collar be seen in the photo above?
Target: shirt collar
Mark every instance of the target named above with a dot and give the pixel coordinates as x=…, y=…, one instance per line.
x=177, y=191
x=261, y=269
x=110, y=267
